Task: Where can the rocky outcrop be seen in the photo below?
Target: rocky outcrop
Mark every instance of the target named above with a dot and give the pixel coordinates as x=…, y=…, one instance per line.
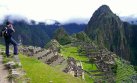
x=16, y=73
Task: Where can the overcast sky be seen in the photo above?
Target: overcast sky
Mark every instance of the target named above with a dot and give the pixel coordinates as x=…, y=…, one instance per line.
x=64, y=10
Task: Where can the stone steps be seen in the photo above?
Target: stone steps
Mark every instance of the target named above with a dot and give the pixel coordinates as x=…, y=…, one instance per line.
x=52, y=59
x=46, y=56
x=58, y=61
x=38, y=49
x=95, y=71
x=40, y=54
x=98, y=75
x=49, y=56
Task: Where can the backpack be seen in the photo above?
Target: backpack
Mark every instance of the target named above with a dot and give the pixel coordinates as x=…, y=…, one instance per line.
x=3, y=32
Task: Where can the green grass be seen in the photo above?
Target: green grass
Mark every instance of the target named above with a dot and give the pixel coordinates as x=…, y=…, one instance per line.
x=39, y=72
x=124, y=71
x=69, y=51
x=89, y=66
x=2, y=47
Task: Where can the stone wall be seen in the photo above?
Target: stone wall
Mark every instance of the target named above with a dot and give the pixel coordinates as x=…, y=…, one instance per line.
x=74, y=68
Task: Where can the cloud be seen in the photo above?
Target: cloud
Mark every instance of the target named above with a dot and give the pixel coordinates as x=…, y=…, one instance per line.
x=77, y=21
x=3, y=12
x=64, y=10
x=130, y=19
x=13, y=18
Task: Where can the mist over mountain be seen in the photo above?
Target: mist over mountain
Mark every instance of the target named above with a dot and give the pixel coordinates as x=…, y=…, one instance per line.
x=130, y=19
x=14, y=17
x=31, y=32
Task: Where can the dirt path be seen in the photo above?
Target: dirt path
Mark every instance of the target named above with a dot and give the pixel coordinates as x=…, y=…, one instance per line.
x=3, y=72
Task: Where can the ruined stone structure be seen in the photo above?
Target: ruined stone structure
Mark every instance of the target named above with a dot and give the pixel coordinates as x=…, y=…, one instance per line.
x=103, y=59
x=48, y=56
x=52, y=57
x=74, y=68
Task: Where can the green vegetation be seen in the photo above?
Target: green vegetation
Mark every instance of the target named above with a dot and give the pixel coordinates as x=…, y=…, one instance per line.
x=69, y=51
x=5, y=60
x=124, y=71
x=2, y=47
x=39, y=72
x=52, y=43
x=83, y=37
x=34, y=35
x=62, y=37
x=135, y=67
x=104, y=28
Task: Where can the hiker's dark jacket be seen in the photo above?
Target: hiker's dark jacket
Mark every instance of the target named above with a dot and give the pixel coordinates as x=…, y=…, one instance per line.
x=8, y=33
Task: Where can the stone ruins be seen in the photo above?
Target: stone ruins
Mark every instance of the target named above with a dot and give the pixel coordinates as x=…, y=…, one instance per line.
x=74, y=68
x=52, y=57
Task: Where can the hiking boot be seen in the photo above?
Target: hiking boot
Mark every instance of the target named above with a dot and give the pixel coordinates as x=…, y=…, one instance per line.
x=8, y=56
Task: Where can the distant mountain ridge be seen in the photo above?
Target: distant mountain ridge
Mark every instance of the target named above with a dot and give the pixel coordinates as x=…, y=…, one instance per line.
x=38, y=34
x=107, y=30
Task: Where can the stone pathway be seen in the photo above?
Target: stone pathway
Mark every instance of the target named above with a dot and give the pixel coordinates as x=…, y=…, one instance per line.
x=3, y=72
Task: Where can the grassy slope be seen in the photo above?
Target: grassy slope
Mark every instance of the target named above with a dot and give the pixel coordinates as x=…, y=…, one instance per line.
x=124, y=71
x=39, y=72
x=69, y=51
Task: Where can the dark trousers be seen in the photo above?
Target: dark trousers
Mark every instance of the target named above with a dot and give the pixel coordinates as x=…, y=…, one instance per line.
x=9, y=41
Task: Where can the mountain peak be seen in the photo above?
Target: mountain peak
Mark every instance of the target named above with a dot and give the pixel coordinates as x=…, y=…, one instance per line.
x=102, y=12
x=104, y=9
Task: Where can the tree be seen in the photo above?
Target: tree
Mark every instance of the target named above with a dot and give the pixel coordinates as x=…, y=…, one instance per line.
x=61, y=36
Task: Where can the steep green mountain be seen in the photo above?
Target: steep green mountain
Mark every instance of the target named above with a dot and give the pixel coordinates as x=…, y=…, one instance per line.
x=61, y=36
x=107, y=30
x=131, y=32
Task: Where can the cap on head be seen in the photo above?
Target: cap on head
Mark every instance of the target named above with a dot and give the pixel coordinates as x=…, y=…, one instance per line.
x=7, y=23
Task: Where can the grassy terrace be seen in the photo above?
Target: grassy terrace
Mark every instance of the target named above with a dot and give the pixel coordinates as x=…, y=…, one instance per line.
x=69, y=51
x=39, y=72
x=124, y=71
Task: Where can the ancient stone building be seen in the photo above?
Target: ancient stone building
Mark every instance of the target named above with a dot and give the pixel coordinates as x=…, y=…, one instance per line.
x=74, y=68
